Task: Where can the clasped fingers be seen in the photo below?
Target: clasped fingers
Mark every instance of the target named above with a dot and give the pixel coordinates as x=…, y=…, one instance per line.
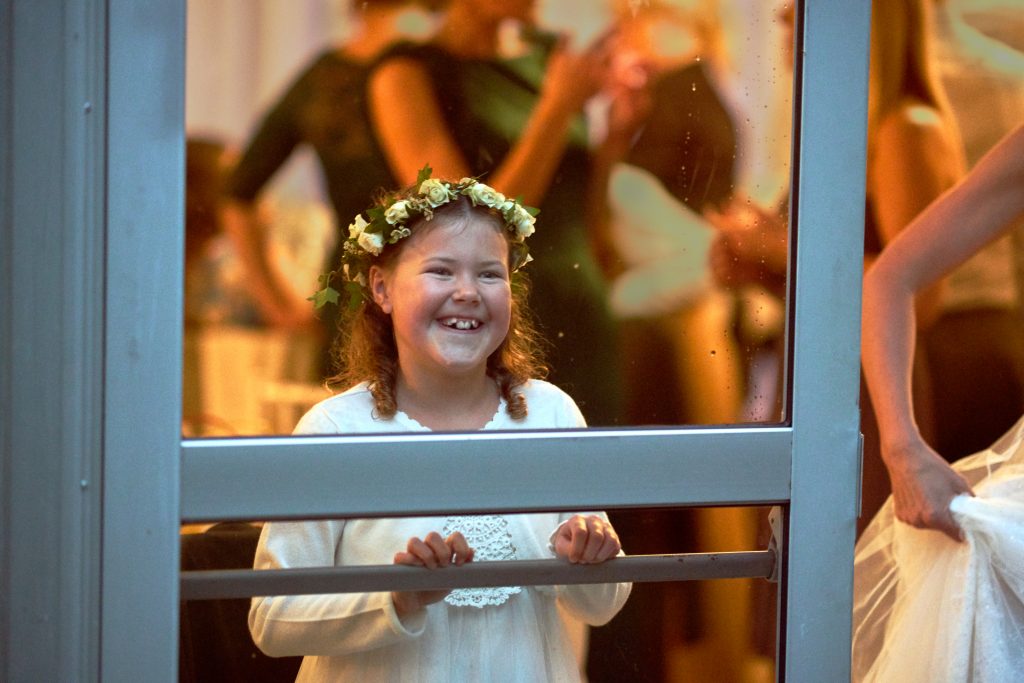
x=587, y=539
x=433, y=551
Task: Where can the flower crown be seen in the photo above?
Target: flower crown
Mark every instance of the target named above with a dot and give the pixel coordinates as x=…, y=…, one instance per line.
x=387, y=225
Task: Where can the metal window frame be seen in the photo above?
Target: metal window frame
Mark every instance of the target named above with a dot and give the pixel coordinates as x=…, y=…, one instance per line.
x=99, y=556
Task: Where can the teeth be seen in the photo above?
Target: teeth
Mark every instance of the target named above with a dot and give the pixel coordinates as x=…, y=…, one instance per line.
x=461, y=324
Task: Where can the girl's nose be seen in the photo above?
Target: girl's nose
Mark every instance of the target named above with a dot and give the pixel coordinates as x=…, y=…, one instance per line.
x=466, y=289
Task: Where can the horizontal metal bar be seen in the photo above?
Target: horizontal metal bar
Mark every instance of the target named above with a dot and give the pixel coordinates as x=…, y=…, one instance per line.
x=243, y=583
x=427, y=474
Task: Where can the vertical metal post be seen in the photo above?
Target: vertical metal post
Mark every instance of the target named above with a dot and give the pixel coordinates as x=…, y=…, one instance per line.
x=829, y=197
x=51, y=336
x=145, y=209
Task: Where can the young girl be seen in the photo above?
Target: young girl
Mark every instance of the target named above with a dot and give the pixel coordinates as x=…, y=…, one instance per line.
x=439, y=341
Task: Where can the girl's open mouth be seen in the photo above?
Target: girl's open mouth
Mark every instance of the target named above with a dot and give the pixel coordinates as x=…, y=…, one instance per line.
x=460, y=323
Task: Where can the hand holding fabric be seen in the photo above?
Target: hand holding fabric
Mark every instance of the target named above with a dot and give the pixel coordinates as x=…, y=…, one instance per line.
x=923, y=485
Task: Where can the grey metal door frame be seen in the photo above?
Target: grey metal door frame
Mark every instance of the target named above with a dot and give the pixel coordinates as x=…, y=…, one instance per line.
x=92, y=370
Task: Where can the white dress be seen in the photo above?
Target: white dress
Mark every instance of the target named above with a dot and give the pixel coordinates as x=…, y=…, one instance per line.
x=929, y=609
x=489, y=634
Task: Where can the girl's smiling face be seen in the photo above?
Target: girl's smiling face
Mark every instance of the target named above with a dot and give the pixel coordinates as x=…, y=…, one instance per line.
x=449, y=298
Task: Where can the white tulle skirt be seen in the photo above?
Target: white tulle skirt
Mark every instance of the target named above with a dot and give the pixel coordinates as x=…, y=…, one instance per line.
x=926, y=608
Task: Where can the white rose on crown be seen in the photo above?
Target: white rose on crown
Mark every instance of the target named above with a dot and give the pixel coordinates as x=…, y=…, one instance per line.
x=356, y=228
x=436, y=192
x=397, y=212
x=371, y=242
x=486, y=195
x=524, y=223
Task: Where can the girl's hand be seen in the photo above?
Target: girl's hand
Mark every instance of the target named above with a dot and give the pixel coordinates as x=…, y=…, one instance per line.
x=586, y=540
x=432, y=551
x=923, y=484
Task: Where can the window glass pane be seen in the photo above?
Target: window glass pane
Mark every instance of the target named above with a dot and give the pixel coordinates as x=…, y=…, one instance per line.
x=692, y=630
x=660, y=251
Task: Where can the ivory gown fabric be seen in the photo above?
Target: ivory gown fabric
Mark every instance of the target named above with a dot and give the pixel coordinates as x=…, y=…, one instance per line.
x=929, y=609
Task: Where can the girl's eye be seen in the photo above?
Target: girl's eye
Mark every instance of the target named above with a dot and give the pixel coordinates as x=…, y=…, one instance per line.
x=439, y=270
x=492, y=275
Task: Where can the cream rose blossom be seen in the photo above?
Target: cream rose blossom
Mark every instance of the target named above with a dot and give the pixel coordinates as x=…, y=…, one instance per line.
x=486, y=195
x=524, y=223
x=372, y=242
x=435, y=191
x=397, y=212
x=356, y=228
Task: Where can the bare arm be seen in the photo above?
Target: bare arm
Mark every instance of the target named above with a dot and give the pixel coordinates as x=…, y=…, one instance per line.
x=628, y=111
x=948, y=232
x=278, y=302
x=915, y=159
x=412, y=130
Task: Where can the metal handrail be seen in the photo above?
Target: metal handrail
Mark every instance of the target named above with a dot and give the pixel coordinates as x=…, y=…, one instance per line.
x=243, y=583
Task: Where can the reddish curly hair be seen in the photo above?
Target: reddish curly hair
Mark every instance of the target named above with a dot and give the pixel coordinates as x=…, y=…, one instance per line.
x=365, y=349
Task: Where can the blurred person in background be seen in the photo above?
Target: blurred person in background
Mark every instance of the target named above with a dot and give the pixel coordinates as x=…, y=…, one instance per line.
x=461, y=105
x=325, y=108
x=669, y=155
x=206, y=164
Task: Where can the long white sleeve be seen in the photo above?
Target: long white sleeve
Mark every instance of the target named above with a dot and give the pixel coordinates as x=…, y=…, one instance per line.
x=592, y=603
x=320, y=624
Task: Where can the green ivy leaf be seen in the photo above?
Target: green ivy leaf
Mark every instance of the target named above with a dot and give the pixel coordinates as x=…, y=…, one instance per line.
x=324, y=280
x=354, y=293
x=424, y=174
x=533, y=211
x=327, y=295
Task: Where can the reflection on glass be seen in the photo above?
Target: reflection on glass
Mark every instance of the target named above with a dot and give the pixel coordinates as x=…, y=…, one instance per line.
x=698, y=630
x=648, y=141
